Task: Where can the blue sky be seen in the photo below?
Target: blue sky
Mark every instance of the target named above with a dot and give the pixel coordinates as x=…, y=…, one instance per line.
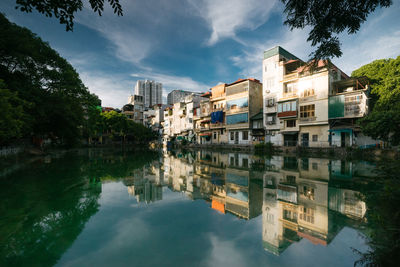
x=192, y=44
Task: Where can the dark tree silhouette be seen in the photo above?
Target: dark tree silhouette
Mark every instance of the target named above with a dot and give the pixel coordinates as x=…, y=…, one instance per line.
x=65, y=10
x=327, y=19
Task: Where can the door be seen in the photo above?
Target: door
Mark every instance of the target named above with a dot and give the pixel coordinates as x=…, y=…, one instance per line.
x=305, y=139
x=342, y=139
x=236, y=137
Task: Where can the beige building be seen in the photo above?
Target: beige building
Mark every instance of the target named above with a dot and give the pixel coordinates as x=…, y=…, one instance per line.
x=202, y=120
x=296, y=99
x=134, y=109
x=243, y=101
x=218, y=125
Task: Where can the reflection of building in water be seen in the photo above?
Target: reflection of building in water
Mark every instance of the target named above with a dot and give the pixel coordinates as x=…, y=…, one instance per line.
x=298, y=197
x=243, y=194
x=145, y=184
x=299, y=203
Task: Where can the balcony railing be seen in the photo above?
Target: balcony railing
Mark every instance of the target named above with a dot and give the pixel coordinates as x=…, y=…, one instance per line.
x=287, y=114
x=290, y=76
x=217, y=125
x=237, y=110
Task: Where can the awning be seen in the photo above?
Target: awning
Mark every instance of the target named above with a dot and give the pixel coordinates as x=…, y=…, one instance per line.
x=205, y=134
x=290, y=132
x=346, y=130
x=218, y=206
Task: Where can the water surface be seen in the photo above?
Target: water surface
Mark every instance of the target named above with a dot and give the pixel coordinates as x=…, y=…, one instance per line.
x=199, y=208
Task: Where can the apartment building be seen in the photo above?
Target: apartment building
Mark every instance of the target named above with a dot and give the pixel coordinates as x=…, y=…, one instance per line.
x=243, y=101
x=134, y=109
x=167, y=124
x=151, y=92
x=202, y=120
x=178, y=95
x=219, y=134
x=348, y=101
x=296, y=99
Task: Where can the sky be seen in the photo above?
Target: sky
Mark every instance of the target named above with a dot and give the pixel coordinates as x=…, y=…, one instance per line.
x=192, y=44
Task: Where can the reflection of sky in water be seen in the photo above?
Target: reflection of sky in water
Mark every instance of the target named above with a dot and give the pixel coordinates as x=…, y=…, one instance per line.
x=177, y=231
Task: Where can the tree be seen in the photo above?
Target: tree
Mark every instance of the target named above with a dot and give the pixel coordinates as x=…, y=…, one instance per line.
x=65, y=10
x=57, y=100
x=12, y=119
x=383, y=122
x=328, y=19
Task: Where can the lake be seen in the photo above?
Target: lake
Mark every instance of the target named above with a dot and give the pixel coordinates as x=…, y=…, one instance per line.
x=195, y=208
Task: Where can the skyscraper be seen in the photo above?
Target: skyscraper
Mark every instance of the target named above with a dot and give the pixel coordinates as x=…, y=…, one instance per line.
x=151, y=92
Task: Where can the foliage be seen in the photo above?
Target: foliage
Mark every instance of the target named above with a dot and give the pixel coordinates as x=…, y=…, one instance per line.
x=118, y=125
x=328, y=19
x=65, y=10
x=382, y=195
x=383, y=122
x=57, y=100
x=13, y=116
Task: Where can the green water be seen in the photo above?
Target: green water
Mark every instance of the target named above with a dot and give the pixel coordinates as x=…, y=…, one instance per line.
x=104, y=208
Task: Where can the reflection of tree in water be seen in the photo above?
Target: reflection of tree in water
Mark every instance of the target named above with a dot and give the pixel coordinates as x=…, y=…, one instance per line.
x=382, y=196
x=46, y=206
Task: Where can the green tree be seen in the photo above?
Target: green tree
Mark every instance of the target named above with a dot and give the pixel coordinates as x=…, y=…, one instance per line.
x=12, y=119
x=383, y=121
x=328, y=19
x=65, y=10
x=39, y=75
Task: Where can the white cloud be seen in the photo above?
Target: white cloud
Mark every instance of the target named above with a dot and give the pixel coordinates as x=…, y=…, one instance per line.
x=127, y=42
x=112, y=90
x=250, y=61
x=226, y=17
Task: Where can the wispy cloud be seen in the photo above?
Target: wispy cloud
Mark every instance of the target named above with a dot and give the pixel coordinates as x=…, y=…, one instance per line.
x=113, y=90
x=226, y=17
x=250, y=60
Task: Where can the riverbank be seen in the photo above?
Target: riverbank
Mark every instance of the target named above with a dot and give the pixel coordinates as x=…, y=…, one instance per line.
x=327, y=152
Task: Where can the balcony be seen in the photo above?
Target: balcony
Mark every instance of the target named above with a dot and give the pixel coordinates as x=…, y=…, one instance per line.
x=290, y=76
x=287, y=114
x=287, y=96
x=217, y=125
x=237, y=110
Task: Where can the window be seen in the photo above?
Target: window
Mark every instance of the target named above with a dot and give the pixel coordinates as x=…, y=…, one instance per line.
x=307, y=214
x=237, y=118
x=245, y=163
x=308, y=92
x=290, y=88
x=308, y=192
x=270, y=120
x=307, y=111
x=237, y=103
x=232, y=136
x=315, y=138
x=270, y=84
x=215, y=135
x=291, y=123
x=245, y=135
x=315, y=166
x=287, y=106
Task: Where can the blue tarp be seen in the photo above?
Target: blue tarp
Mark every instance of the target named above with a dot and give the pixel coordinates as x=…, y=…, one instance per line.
x=217, y=116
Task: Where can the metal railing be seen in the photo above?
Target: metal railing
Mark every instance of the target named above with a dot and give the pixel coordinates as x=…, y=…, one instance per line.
x=6, y=151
